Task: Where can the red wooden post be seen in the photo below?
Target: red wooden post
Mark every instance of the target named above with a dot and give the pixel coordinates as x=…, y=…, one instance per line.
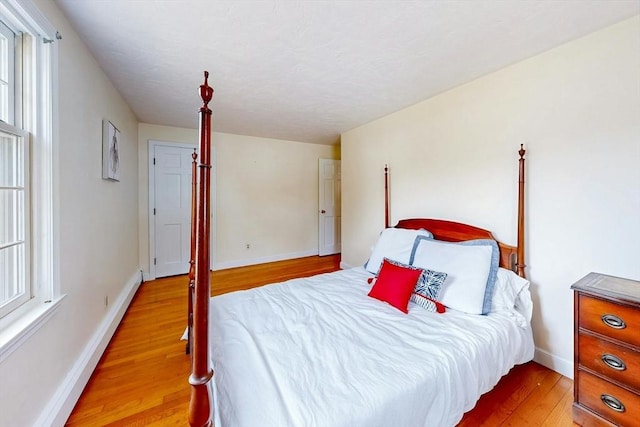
x=521, y=264
x=201, y=373
x=192, y=257
x=386, y=197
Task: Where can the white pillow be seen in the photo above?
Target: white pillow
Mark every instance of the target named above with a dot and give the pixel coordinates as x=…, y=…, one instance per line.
x=471, y=268
x=395, y=244
x=511, y=293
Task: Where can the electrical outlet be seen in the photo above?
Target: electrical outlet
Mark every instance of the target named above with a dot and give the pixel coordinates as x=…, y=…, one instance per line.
x=248, y=246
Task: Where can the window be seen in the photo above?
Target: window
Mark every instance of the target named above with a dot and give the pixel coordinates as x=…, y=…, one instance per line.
x=7, y=70
x=14, y=198
x=15, y=288
x=27, y=58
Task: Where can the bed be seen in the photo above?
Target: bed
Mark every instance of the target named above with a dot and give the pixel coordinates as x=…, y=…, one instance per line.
x=345, y=348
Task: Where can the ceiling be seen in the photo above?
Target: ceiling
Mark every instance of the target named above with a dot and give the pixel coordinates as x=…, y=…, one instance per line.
x=309, y=70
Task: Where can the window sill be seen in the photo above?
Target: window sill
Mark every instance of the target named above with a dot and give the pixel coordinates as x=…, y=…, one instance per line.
x=23, y=323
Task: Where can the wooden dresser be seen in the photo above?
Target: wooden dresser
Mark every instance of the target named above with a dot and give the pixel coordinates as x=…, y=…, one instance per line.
x=606, y=351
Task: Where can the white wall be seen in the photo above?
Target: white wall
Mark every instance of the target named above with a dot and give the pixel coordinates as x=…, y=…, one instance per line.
x=97, y=234
x=577, y=110
x=266, y=195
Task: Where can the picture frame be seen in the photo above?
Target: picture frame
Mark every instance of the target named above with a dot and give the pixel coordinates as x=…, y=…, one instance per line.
x=110, y=151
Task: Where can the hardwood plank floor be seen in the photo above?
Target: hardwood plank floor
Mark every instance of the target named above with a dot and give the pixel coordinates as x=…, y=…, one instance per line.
x=141, y=380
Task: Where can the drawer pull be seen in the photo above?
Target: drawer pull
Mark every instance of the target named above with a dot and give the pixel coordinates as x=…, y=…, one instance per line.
x=613, y=321
x=614, y=362
x=612, y=402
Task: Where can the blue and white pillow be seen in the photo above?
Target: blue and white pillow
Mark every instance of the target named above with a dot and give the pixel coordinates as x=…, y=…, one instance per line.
x=428, y=289
x=471, y=268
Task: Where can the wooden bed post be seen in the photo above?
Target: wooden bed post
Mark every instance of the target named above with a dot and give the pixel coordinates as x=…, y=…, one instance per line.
x=201, y=373
x=192, y=257
x=386, y=197
x=520, y=264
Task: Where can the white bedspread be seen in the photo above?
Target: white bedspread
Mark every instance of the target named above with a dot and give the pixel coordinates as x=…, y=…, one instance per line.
x=320, y=352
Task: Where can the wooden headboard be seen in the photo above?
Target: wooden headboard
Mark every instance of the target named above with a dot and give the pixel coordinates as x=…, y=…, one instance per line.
x=450, y=231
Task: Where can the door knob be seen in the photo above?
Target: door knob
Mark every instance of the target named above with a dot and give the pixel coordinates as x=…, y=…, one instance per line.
x=323, y=211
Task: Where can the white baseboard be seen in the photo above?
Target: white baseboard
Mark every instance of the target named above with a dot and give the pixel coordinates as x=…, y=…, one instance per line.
x=344, y=265
x=146, y=276
x=558, y=364
x=61, y=404
x=262, y=260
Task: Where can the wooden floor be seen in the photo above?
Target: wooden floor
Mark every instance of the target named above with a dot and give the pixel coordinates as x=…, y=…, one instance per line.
x=141, y=379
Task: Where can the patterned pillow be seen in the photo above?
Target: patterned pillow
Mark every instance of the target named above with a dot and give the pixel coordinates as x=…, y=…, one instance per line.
x=427, y=290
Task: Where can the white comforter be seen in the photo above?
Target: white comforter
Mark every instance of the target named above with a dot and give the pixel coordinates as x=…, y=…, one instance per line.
x=320, y=352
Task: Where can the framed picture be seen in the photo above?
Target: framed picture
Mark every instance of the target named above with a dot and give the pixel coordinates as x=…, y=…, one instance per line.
x=110, y=151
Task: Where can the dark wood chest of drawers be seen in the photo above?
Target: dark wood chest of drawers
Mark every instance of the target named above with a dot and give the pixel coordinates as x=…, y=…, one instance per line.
x=606, y=351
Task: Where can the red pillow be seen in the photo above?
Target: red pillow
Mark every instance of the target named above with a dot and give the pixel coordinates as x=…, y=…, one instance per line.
x=395, y=285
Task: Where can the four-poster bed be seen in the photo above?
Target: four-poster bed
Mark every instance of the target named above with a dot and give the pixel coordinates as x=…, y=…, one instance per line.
x=320, y=351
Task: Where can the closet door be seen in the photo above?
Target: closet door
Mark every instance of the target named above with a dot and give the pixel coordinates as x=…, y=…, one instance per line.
x=329, y=204
x=172, y=209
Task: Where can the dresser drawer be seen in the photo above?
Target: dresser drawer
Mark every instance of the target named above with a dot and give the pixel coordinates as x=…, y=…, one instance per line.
x=610, y=319
x=617, y=362
x=592, y=391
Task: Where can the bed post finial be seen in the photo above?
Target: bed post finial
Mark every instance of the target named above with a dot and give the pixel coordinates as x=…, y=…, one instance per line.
x=201, y=400
x=206, y=92
x=520, y=263
x=386, y=196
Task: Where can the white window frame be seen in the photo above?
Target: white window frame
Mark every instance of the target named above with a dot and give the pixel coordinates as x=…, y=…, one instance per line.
x=10, y=64
x=22, y=239
x=35, y=113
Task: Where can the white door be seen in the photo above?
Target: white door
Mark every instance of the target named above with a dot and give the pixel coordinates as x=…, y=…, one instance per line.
x=171, y=209
x=329, y=204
